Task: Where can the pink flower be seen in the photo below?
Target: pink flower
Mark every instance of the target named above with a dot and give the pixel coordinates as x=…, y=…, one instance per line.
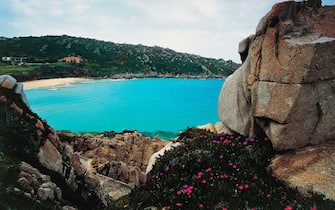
x=255, y=177
x=246, y=186
x=240, y=187
x=201, y=205
x=226, y=141
x=223, y=176
x=166, y=168
x=221, y=156
x=268, y=195
x=252, y=140
x=173, y=165
x=233, y=144
x=288, y=207
x=204, y=181
x=179, y=192
x=245, y=143
x=168, y=207
x=188, y=190
x=178, y=204
x=313, y=208
x=208, y=170
x=199, y=175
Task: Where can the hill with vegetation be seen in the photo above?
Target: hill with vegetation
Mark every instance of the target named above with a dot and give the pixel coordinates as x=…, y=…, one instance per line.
x=41, y=58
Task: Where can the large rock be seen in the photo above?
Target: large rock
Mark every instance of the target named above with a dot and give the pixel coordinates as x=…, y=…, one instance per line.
x=286, y=84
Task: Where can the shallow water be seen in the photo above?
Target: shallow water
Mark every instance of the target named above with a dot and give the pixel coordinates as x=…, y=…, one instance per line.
x=163, y=106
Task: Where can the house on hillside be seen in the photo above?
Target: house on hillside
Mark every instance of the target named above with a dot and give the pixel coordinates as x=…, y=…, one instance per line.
x=72, y=59
x=13, y=60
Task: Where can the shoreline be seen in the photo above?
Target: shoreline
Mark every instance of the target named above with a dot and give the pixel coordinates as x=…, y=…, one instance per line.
x=52, y=82
x=42, y=83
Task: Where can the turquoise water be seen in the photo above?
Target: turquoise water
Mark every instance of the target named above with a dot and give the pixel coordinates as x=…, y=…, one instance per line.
x=147, y=105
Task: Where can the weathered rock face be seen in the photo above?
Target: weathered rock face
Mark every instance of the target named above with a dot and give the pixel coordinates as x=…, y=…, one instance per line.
x=286, y=85
x=106, y=166
x=310, y=169
x=122, y=157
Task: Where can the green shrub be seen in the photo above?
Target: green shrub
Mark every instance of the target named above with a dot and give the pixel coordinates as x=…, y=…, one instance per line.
x=209, y=171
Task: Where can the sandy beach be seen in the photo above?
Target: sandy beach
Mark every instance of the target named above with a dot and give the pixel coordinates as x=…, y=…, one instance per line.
x=51, y=82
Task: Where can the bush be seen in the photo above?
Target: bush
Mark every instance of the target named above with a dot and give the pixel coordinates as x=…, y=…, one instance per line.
x=209, y=171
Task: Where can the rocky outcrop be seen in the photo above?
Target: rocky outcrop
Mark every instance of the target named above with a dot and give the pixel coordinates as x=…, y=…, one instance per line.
x=122, y=157
x=35, y=185
x=99, y=168
x=286, y=84
x=285, y=88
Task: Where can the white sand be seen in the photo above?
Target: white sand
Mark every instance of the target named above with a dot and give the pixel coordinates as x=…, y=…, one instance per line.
x=51, y=82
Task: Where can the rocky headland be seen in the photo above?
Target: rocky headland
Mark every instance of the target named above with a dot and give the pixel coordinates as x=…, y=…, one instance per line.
x=100, y=168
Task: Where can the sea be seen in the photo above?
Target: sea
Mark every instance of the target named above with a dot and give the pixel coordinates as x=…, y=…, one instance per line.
x=153, y=106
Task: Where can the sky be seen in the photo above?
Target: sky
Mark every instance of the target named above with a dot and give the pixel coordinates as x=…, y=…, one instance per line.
x=209, y=28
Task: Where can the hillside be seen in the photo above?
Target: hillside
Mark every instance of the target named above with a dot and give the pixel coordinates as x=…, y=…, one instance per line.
x=102, y=59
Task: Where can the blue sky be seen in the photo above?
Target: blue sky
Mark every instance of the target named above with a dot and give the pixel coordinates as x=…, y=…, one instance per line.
x=211, y=28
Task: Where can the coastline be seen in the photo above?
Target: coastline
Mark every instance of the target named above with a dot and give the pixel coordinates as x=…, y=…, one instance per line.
x=42, y=83
x=51, y=82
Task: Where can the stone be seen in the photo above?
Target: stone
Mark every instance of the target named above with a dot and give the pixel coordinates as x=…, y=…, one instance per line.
x=50, y=157
x=36, y=185
x=310, y=169
x=7, y=81
x=45, y=193
x=286, y=84
x=243, y=47
x=209, y=126
x=161, y=152
x=234, y=101
x=19, y=90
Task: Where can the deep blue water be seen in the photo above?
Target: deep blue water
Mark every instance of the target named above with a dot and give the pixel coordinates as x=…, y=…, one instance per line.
x=146, y=105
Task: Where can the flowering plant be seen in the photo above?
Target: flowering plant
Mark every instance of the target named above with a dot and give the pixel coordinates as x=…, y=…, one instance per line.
x=217, y=171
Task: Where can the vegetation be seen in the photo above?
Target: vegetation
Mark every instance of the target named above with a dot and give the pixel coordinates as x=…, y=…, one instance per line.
x=209, y=171
x=102, y=59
